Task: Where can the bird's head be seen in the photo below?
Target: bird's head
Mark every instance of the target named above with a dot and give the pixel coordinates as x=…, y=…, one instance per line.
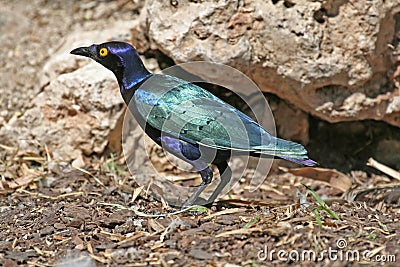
x=119, y=57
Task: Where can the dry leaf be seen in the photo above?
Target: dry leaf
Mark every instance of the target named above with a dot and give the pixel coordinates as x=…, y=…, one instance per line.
x=239, y=232
x=21, y=181
x=335, y=178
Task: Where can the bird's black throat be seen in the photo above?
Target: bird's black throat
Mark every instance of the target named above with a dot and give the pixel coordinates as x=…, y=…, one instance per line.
x=127, y=93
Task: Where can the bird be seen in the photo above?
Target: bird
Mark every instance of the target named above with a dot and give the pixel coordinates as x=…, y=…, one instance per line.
x=188, y=121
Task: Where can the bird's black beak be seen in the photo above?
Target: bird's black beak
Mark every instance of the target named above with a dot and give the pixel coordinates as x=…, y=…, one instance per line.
x=89, y=52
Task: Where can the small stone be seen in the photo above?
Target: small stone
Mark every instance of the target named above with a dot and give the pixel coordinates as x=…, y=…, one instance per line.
x=59, y=226
x=200, y=254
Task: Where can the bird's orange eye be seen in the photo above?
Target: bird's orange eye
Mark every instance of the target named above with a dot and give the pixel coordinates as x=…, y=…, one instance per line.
x=103, y=52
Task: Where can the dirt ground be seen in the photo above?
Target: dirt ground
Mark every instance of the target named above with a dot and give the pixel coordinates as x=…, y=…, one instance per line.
x=54, y=215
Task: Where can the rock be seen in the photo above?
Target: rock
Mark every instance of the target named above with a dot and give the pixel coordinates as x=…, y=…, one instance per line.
x=73, y=115
x=318, y=55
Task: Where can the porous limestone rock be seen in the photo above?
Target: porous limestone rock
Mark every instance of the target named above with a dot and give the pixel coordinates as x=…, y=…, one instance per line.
x=328, y=58
x=73, y=115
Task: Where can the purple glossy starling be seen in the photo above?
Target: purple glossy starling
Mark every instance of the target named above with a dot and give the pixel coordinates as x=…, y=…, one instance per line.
x=179, y=116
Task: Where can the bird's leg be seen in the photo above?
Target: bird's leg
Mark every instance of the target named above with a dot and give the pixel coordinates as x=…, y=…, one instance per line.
x=206, y=175
x=192, y=155
x=225, y=173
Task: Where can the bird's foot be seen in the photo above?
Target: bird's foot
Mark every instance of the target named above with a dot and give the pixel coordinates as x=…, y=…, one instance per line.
x=192, y=199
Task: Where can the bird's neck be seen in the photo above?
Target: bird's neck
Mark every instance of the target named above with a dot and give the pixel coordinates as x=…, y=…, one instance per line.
x=133, y=75
x=134, y=72
x=128, y=92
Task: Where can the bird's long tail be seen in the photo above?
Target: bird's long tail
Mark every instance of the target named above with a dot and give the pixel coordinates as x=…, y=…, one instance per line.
x=286, y=150
x=306, y=162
